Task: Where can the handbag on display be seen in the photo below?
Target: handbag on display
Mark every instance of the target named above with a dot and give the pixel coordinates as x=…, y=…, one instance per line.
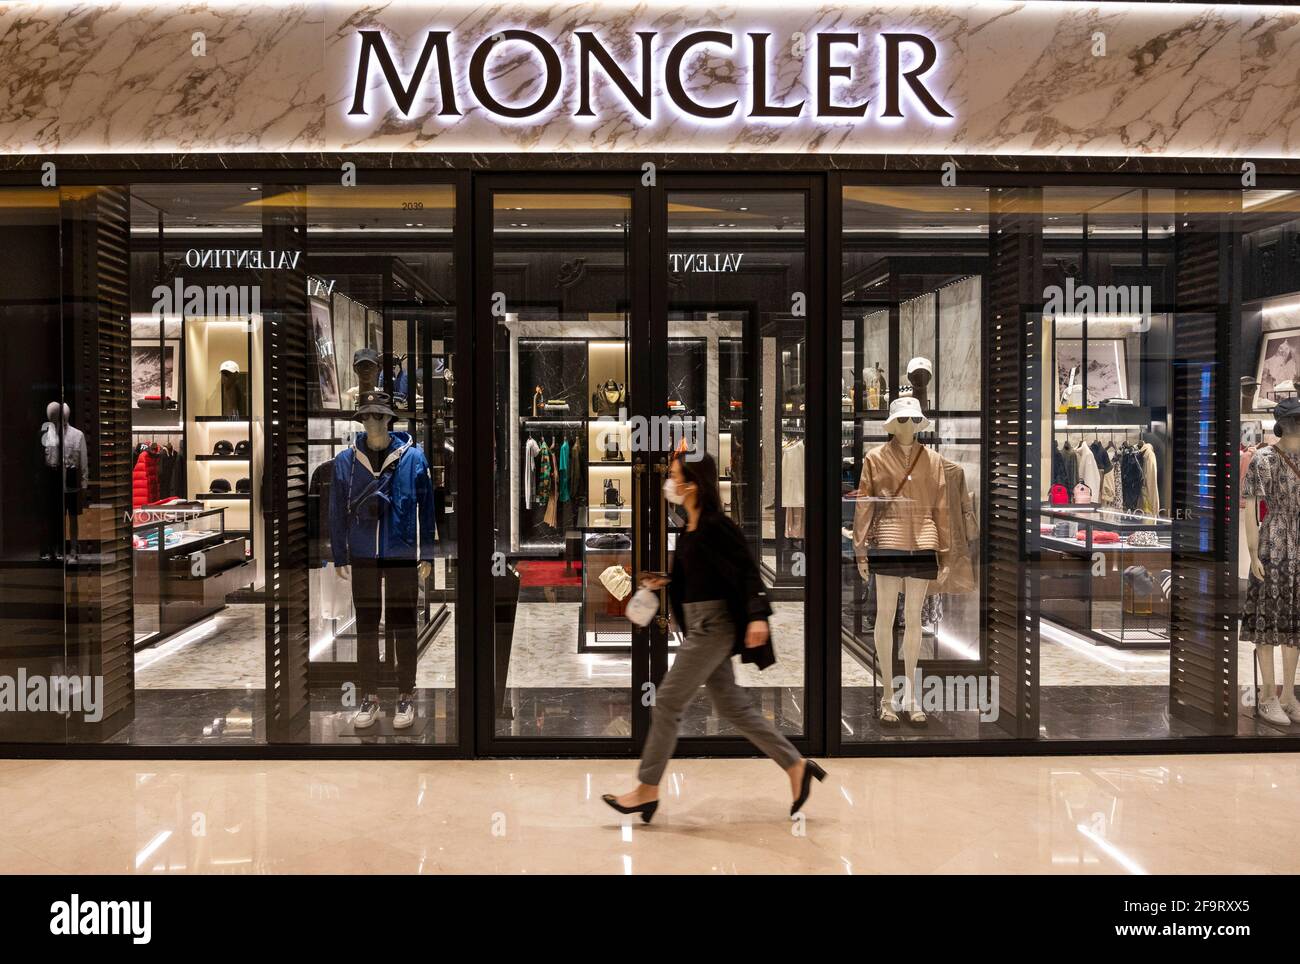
x=618, y=583
x=1144, y=538
x=1058, y=495
x=613, y=452
x=608, y=398
x=612, y=498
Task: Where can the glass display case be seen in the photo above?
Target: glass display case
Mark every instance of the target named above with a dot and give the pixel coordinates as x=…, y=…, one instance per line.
x=1106, y=574
x=185, y=563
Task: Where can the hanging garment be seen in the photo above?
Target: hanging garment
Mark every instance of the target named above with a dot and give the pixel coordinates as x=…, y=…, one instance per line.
x=1058, y=465
x=144, y=479
x=1271, y=614
x=962, y=557
x=737, y=472
x=1089, y=474
x=1150, y=479
x=544, y=480
x=563, y=475
x=552, y=471
x=1099, y=456
x=792, y=475
x=1130, y=480
x=577, y=477
x=1157, y=442
x=1071, y=459
x=318, y=521
x=530, y=472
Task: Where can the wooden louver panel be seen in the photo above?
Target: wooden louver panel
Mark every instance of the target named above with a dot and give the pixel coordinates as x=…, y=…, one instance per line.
x=1203, y=595
x=1012, y=395
x=286, y=349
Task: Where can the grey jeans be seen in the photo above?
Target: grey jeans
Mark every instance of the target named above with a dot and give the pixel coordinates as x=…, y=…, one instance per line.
x=705, y=658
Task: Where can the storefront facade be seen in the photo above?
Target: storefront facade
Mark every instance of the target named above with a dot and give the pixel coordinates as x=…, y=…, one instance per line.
x=567, y=243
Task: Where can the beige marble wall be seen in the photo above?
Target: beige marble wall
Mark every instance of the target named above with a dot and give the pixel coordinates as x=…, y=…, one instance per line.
x=1176, y=79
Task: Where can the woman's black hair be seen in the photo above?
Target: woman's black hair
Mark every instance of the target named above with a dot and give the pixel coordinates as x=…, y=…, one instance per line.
x=702, y=472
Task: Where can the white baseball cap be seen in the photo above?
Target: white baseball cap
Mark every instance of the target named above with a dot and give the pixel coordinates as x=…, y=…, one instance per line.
x=229, y=366
x=920, y=364
x=906, y=406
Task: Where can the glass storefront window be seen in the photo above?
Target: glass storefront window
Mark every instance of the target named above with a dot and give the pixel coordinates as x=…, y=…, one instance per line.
x=1063, y=456
x=910, y=462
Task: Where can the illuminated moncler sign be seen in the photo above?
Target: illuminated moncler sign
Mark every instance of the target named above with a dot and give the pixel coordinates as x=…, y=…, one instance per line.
x=441, y=75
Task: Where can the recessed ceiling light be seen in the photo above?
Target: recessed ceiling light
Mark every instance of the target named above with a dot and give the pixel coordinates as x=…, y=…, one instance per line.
x=742, y=209
x=255, y=189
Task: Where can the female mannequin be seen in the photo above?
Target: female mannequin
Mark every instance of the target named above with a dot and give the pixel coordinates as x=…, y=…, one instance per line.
x=899, y=529
x=1271, y=616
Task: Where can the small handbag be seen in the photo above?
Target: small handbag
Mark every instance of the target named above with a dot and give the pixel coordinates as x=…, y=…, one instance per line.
x=1144, y=538
x=612, y=499
x=642, y=607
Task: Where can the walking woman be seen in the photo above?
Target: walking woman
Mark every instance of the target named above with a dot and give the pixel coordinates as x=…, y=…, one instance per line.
x=717, y=595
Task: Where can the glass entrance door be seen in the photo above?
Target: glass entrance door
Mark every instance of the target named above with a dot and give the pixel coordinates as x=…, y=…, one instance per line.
x=559, y=291
x=737, y=293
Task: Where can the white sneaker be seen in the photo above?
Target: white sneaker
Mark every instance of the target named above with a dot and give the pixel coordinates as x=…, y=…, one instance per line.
x=1271, y=710
x=405, y=714
x=368, y=715
x=1292, y=710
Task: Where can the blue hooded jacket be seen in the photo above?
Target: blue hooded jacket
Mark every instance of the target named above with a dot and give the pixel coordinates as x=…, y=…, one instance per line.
x=386, y=515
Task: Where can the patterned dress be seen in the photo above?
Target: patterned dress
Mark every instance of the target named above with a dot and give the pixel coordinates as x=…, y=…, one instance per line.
x=1271, y=616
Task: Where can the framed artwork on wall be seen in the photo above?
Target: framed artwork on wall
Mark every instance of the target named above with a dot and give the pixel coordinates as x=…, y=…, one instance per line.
x=153, y=373
x=326, y=361
x=1279, y=362
x=1107, y=368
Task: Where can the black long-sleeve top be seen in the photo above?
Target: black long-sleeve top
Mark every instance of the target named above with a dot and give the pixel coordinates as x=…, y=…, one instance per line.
x=713, y=562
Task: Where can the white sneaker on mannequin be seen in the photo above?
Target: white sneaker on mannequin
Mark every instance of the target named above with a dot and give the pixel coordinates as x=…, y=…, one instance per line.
x=367, y=715
x=1292, y=710
x=405, y=714
x=1271, y=710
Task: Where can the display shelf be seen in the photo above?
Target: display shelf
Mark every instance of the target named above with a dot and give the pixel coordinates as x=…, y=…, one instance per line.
x=221, y=497
x=221, y=458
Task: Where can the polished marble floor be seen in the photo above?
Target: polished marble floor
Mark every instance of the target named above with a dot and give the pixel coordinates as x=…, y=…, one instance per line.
x=1078, y=815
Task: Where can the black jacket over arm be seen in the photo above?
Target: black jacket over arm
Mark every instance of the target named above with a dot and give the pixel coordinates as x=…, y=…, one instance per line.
x=721, y=543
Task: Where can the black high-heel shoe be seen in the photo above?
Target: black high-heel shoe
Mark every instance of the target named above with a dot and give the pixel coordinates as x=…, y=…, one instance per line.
x=647, y=810
x=810, y=770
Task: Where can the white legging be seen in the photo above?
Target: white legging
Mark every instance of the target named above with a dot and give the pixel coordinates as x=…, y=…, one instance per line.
x=887, y=590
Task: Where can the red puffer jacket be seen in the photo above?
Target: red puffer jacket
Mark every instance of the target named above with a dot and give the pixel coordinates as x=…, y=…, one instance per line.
x=144, y=479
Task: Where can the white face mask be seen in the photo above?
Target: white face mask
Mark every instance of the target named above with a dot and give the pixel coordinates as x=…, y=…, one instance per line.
x=671, y=492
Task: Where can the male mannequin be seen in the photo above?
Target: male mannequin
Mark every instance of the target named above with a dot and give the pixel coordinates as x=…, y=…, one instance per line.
x=382, y=536
x=67, y=462
x=900, y=527
x=1271, y=615
x=365, y=362
x=919, y=373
